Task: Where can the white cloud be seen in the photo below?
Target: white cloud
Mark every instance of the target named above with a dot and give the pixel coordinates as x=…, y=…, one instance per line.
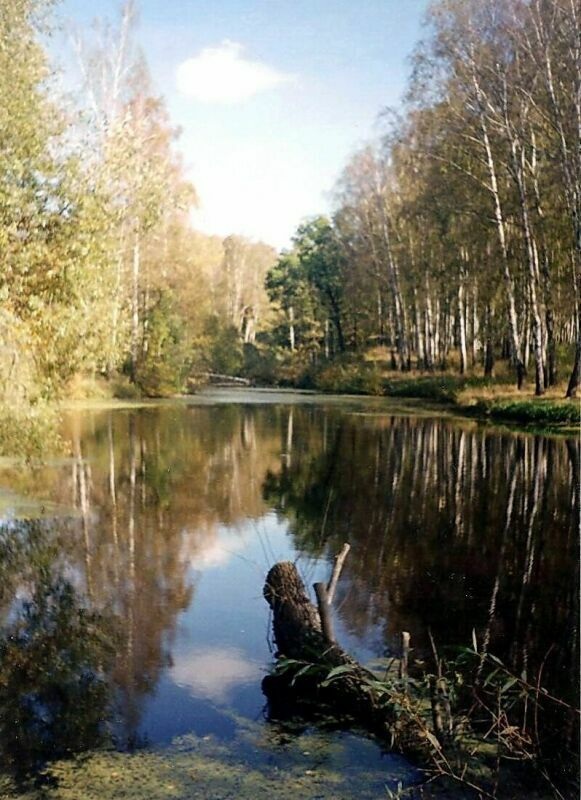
x=222, y=75
x=211, y=549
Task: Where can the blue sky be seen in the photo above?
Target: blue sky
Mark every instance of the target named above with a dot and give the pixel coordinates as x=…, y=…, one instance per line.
x=271, y=95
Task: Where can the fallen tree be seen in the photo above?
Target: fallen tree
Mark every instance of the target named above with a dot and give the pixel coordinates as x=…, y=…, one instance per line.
x=312, y=665
x=225, y=380
x=471, y=742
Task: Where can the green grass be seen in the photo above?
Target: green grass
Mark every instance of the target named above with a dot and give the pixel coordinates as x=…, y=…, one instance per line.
x=533, y=411
x=470, y=395
x=442, y=388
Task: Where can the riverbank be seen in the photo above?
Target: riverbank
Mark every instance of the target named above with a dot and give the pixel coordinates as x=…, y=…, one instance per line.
x=494, y=399
x=258, y=765
x=32, y=431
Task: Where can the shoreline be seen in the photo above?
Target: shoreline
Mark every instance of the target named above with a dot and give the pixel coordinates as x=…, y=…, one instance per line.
x=412, y=395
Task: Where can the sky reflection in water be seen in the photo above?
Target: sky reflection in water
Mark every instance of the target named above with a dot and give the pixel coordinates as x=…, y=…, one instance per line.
x=180, y=511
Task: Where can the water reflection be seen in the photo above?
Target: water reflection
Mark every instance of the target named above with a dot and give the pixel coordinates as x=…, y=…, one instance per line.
x=55, y=662
x=212, y=672
x=452, y=528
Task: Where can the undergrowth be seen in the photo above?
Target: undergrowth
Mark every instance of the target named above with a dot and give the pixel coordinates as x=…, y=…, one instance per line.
x=470, y=723
x=543, y=412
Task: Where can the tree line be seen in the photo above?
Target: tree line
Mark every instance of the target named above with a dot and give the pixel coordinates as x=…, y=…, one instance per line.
x=455, y=240
x=457, y=235
x=101, y=270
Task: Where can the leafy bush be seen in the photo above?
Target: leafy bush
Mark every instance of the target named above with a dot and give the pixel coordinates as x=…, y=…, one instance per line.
x=29, y=432
x=437, y=387
x=296, y=369
x=123, y=389
x=224, y=353
x=87, y=387
x=163, y=365
x=260, y=365
x=349, y=378
x=20, y=381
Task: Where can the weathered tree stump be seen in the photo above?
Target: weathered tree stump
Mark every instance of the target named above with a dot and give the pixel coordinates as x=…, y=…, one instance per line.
x=299, y=635
x=296, y=623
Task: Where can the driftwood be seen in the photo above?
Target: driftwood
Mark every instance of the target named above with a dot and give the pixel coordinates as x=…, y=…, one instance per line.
x=225, y=380
x=302, y=636
x=337, y=567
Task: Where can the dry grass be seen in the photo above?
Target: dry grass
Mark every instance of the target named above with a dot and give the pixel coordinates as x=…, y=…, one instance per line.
x=504, y=390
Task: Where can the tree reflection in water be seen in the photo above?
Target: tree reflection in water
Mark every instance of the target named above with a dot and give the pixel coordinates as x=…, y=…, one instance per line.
x=452, y=527
x=55, y=662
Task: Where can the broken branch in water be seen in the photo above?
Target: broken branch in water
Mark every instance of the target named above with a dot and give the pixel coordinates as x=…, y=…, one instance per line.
x=325, y=594
x=338, y=566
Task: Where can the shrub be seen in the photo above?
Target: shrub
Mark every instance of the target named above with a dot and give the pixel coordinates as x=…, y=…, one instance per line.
x=435, y=387
x=350, y=378
x=260, y=365
x=163, y=365
x=29, y=432
x=123, y=389
x=225, y=349
x=87, y=387
x=20, y=381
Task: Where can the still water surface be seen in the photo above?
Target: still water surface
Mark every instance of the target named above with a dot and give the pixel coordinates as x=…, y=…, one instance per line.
x=166, y=518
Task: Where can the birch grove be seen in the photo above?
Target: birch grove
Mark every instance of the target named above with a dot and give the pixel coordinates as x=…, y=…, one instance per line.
x=460, y=226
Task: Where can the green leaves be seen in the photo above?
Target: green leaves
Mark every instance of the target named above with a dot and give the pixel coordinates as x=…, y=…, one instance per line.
x=297, y=668
x=337, y=672
x=164, y=364
x=54, y=274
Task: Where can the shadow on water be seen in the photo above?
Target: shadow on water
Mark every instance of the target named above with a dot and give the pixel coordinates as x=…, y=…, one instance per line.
x=139, y=617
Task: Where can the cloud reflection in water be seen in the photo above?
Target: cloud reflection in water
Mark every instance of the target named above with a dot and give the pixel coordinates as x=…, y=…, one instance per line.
x=212, y=672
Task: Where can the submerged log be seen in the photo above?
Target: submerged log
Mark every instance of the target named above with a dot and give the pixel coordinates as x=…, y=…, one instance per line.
x=334, y=679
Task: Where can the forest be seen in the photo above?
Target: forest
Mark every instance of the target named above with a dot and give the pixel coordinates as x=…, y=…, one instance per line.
x=453, y=246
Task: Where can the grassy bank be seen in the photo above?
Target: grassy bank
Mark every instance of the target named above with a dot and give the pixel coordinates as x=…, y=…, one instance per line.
x=492, y=398
x=495, y=399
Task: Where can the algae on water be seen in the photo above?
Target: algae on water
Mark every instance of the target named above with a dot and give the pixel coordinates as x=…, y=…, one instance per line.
x=254, y=765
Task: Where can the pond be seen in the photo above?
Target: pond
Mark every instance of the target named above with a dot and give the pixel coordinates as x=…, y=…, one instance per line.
x=132, y=571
